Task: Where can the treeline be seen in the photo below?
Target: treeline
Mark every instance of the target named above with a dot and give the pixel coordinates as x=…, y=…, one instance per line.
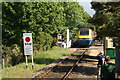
x=43, y=19
x=107, y=18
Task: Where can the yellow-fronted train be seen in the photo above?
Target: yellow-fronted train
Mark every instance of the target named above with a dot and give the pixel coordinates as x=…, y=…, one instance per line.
x=85, y=37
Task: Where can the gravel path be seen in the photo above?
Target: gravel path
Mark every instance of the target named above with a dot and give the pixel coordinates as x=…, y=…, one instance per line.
x=59, y=71
x=86, y=69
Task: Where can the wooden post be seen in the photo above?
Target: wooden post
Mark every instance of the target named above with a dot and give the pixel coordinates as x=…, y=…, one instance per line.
x=104, y=45
x=32, y=63
x=116, y=75
x=26, y=62
x=3, y=63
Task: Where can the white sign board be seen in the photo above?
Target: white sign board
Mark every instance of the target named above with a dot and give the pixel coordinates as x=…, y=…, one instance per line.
x=59, y=36
x=28, y=46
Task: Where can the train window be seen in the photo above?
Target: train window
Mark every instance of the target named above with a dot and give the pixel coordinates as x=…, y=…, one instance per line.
x=84, y=33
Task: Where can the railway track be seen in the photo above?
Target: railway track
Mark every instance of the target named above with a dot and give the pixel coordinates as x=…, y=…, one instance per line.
x=63, y=68
x=71, y=69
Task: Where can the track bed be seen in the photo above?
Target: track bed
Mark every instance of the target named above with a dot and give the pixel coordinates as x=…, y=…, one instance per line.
x=81, y=66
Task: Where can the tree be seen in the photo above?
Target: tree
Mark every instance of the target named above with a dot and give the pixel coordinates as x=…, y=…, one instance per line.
x=75, y=16
x=107, y=18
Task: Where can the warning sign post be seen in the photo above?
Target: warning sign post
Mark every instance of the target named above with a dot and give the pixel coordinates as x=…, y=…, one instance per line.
x=28, y=47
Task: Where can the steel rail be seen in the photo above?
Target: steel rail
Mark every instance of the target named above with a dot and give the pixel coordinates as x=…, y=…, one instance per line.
x=49, y=70
x=71, y=69
x=74, y=65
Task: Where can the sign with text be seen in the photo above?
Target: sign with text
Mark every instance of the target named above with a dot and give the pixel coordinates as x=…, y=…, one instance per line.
x=28, y=46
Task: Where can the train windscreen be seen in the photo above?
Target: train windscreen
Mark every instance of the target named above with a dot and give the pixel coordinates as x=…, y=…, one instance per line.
x=84, y=33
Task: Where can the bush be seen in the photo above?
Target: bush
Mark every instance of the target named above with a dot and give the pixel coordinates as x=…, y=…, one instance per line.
x=12, y=55
x=43, y=42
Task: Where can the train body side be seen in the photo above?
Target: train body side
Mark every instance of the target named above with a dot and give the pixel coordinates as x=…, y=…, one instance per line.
x=85, y=37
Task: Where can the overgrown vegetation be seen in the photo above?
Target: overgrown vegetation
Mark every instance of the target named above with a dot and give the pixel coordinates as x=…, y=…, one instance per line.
x=40, y=60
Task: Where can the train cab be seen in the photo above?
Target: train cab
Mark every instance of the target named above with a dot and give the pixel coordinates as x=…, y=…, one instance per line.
x=85, y=36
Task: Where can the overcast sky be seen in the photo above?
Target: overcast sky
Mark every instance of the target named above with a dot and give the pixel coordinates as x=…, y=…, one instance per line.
x=87, y=6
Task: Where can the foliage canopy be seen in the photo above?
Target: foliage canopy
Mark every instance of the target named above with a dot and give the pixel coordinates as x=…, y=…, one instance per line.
x=107, y=17
x=43, y=19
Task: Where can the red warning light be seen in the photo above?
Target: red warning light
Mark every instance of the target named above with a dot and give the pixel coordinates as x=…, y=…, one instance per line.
x=27, y=39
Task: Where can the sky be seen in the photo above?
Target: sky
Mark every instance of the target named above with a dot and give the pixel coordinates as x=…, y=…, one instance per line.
x=87, y=6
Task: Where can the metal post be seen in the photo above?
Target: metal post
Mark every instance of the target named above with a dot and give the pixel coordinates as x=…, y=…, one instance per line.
x=67, y=38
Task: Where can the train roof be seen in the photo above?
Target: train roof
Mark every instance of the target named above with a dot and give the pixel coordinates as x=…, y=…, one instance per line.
x=84, y=28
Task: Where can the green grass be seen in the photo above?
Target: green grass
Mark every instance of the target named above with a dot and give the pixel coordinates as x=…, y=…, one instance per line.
x=75, y=53
x=40, y=60
x=51, y=55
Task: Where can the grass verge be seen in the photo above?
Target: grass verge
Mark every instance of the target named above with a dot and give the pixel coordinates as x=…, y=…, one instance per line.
x=40, y=60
